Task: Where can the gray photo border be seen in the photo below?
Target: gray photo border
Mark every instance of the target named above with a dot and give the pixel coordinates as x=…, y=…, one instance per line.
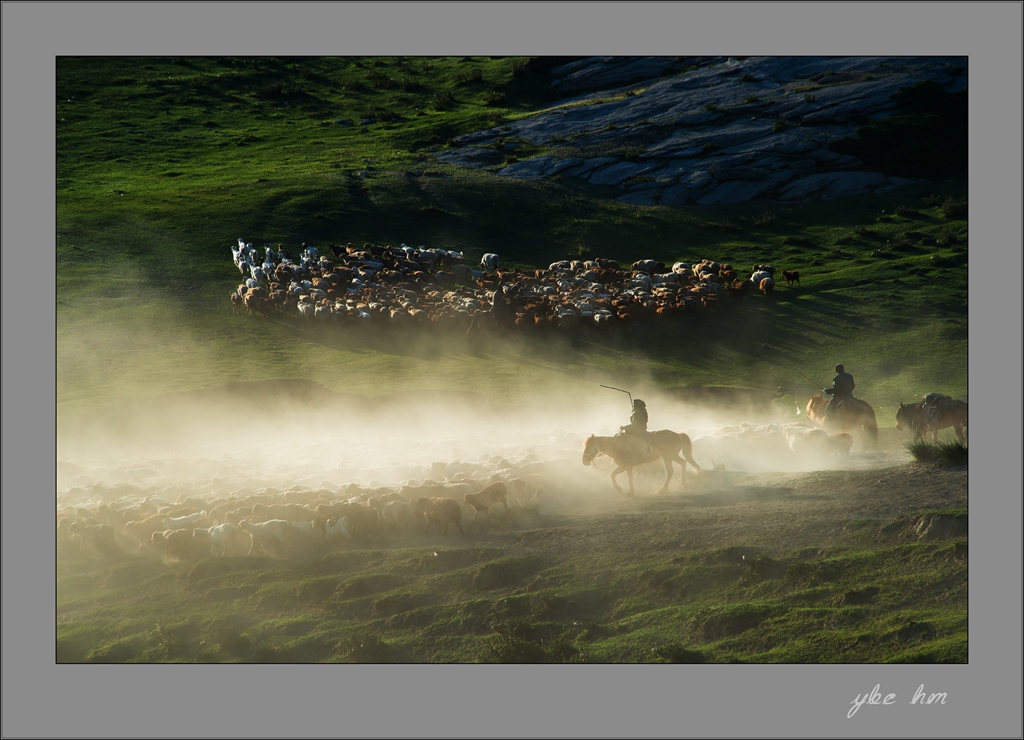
x=42, y=699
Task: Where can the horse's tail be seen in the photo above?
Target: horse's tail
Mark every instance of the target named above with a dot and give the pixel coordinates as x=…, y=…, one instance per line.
x=686, y=449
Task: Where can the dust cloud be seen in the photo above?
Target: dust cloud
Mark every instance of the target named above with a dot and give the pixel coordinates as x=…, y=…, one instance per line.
x=289, y=436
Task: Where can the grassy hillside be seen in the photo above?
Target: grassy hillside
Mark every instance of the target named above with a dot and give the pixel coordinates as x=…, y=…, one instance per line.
x=162, y=163
x=828, y=569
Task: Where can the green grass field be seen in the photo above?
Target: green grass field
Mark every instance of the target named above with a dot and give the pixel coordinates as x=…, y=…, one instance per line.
x=163, y=163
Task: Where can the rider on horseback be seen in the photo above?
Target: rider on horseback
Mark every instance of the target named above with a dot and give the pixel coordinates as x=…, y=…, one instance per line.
x=841, y=391
x=637, y=439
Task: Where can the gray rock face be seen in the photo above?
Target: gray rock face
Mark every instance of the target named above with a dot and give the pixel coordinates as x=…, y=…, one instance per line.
x=673, y=131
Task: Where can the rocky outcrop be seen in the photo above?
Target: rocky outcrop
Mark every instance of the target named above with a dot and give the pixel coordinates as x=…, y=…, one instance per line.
x=672, y=131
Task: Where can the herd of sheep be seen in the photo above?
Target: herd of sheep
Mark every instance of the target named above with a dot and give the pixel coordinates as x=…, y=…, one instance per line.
x=278, y=524
x=457, y=499
x=405, y=286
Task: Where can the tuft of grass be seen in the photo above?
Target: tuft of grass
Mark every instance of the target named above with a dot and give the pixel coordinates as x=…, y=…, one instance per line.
x=515, y=641
x=366, y=649
x=954, y=208
x=945, y=454
x=676, y=653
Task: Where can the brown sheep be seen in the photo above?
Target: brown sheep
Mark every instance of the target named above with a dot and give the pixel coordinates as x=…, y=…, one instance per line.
x=442, y=510
x=767, y=285
x=363, y=520
x=488, y=497
x=179, y=544
x=97, y=538
x=791, y=276
x=143, y=529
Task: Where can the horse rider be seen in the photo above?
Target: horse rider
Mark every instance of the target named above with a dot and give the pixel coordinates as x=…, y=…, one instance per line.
x=841, y=391
x=636, y=430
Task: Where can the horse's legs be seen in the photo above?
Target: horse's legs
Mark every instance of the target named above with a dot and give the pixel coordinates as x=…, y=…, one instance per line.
x=629, y=475
x=616, y=473
x=668, y=470
x=960, y=433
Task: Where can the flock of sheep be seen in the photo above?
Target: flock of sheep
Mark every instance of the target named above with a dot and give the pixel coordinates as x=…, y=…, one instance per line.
x=405, y=286
x=457, y=497
x=277, y=525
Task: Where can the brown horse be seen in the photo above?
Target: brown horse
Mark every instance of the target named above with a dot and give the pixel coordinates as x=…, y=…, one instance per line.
x=854, y=414
x=947, y=413
x=665, y=445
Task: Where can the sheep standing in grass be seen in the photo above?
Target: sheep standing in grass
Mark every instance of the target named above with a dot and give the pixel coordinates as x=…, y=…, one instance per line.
x=178, y=544
x=398, y=515
x=97, y=539
x=269, y=537
x=337, y=529
x=490, y=262
x=224, y=538
x=441, y=511
x=481, y=502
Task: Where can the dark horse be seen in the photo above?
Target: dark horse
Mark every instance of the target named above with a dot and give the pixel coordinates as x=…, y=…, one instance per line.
x=947, y=412
x=665, y=445
x=852, y=414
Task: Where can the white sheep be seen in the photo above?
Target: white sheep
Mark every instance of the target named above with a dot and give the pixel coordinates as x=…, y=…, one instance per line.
x=337, y=529
x=180, y=522
x=266, y=536
x=490, y=262
x=223, y=538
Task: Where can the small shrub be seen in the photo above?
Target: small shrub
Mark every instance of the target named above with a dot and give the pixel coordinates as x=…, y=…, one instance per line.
x=904, y=211
x=246, y=138
x=171, y=640
x=515, y=643
x=728, y=226
x=443, y=100
x=954, y=208
x=780, y=125
x=366, y=649
x=676, y=653
x=230, y=642
x=765, y=220
x=747, y=77
x=943, y=454
x=469, y=77
x=528, y=503
x=494, y=98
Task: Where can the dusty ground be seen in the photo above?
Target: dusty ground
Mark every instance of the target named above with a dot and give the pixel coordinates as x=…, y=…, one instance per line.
x=774, y=511
x=753, y=491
